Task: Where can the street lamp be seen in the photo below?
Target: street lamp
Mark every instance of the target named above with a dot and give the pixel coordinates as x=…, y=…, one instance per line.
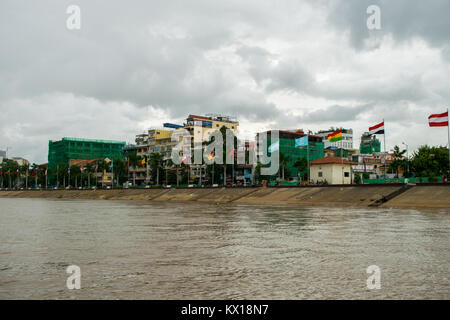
x=407, y=159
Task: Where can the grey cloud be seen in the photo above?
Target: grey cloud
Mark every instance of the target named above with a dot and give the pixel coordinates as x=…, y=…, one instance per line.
x=404, y=19
x=336, y=113
x=137, y=64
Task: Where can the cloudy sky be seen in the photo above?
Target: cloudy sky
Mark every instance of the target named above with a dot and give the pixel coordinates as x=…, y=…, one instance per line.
x=307, y=64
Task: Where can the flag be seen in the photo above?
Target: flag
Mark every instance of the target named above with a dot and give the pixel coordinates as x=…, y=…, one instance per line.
x=377, y=129
x=274, y=146
x=335, y=136
x=8, y=172
x=252, y=146
x=185, y=158
x=142, y=162
x=35, y=170
x=211, y=156
x=438, y=120
x=301, y=142
x=17, y=171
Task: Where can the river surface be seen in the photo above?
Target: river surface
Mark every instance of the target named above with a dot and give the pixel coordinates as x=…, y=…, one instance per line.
x=152, y=250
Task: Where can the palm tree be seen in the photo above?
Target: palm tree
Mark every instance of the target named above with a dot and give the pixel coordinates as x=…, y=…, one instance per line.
x=134, y=160
x=301, y=164
x=156, y=160
x=284, y=160
x=398, y=159
x=167, y=165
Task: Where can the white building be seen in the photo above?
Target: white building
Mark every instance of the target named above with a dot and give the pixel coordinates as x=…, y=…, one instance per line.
x=345, y=143
x=333, y=170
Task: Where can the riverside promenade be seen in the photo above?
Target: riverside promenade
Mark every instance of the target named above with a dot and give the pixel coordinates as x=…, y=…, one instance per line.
x=384, y=195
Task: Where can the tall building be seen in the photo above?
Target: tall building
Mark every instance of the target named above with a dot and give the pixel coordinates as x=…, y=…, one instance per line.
x=204, y=126
x=67, y=149
x=345, y=143
x=154, y=140
x=287, y=146
x=369, y=144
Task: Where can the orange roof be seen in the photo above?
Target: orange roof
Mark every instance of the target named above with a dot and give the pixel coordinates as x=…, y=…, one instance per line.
x=330, y=160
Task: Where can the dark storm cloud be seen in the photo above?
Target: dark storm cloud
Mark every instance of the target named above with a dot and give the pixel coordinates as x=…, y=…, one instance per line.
x=142, y=52
x=403, y=19
x=272, y=64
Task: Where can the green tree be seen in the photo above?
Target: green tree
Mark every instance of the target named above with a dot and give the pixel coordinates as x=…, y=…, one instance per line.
x=398, y=161
x=302, y=166
x=284, y=161
x=156, y=161
x=357, y=179
x=430, y=161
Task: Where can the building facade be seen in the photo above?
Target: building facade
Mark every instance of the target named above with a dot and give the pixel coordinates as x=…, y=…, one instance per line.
x=331, y=170
x=314, y=151
x=369, y=144
x=67, y=149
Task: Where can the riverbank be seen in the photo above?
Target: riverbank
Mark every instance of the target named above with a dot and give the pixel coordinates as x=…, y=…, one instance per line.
x=387, y=195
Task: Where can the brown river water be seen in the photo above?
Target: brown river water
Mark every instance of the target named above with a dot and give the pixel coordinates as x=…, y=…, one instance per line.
x=152, y=250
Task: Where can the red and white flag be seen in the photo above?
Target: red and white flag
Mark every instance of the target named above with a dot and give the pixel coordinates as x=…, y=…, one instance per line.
x=377, y=129
x=438, y=120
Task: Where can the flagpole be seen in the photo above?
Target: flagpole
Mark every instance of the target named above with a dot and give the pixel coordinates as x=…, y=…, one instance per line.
x=384, y=137
x=307, y=158
x=448, y=131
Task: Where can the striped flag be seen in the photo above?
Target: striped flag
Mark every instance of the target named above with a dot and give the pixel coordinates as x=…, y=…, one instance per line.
x=438, y=120
x=377, y=129
x=335, y=136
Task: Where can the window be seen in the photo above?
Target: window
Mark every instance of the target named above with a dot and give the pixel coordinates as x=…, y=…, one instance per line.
x=320, y=174
x=346, y=174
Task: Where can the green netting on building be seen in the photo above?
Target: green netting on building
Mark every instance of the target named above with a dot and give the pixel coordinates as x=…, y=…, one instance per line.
x=369, y=145
x=87, y=149
x=287, y=146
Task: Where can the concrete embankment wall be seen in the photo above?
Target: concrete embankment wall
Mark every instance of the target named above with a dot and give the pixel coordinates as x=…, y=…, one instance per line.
x=437, y=196
x=428, y=196
x=431, y=196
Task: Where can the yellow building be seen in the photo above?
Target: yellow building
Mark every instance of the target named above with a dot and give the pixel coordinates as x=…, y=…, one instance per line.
x=204, y=125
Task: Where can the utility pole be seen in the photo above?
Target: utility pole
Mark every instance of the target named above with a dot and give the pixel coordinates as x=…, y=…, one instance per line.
x=448, y=131
x=407, y=159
